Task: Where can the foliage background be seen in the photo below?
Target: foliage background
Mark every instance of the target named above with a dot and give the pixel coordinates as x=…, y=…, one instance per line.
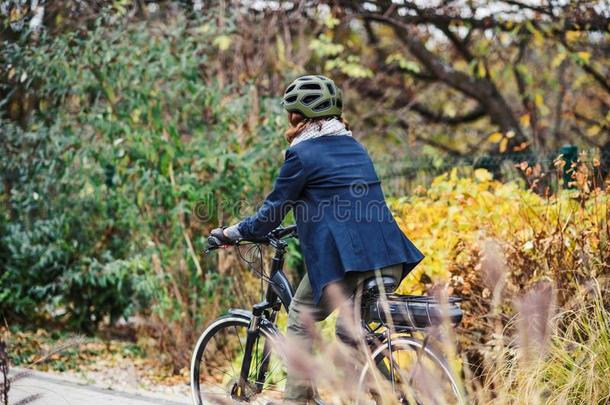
x=130, y=129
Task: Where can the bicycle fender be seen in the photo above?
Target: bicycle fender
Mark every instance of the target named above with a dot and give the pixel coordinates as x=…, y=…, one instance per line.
x=281, y=286
x=242, y=313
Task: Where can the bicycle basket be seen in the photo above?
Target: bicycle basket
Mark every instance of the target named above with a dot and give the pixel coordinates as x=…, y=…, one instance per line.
x=412, y=311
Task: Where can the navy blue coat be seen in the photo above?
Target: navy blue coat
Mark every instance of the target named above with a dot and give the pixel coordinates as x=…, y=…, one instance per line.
x=342, y=218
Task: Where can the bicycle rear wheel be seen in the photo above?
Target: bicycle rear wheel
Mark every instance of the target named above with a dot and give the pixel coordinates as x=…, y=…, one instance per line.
x=411, y=373
x=217, y=361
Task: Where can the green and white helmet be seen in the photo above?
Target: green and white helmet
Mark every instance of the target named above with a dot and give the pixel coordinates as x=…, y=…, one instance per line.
x=313, y=96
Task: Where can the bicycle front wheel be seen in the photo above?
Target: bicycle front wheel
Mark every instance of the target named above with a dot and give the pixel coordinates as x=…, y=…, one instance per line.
x=410, y=372
x=217, y=362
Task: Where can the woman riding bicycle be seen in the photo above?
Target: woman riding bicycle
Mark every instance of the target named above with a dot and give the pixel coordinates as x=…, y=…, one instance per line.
x=346, y=231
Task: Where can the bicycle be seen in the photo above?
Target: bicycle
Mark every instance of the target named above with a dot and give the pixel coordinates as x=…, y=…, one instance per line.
x=234, y=358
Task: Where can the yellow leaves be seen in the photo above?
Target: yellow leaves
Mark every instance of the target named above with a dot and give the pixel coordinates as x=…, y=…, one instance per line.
x=573, y=36
x=15, y=14
x=323, y=46
x=482, y=175
x=558, y=59
x=593, y=130
x=399, y=58
x=481, y=71
x=525, y=120
x=331, y=22
x=135, y=116
x=538, y=100
x=281, y=50
x=121, y=7
x=538, y=38
x=496, y=137
x=501, y=139
x=503, y=145
x=454, y=174
x=203, y=29
x=456, y=212
x=584, y=57
x=350, y=66
x=222, y=42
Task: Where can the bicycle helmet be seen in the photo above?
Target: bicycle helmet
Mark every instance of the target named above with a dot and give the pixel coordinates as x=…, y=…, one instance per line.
x=313, y=96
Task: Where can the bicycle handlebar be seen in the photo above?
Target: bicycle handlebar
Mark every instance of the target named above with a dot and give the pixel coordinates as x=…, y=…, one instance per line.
x=276, y=234
x=287, y=232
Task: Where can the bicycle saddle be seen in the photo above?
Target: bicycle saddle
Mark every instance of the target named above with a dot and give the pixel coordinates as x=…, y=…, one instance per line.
x=371, y=285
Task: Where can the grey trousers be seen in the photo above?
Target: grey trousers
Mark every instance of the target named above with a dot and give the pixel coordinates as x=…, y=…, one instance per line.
x=302, y=309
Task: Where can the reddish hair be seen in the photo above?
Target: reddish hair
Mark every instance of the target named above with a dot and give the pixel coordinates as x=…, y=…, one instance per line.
x=299, y=122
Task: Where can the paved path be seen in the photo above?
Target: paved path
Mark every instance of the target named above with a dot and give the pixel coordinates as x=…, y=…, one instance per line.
x=55, y=390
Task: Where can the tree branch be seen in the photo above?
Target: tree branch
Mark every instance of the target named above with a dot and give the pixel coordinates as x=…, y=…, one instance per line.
x=437, y=117
x=526, y=100
x=598, y=77
x=481, y=89
x=591, y=21
x=404, y=100
x=439, y=145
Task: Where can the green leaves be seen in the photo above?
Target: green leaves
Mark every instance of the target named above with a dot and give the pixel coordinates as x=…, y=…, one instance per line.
x=405, y=64
x=104, y=184
x=338, y=57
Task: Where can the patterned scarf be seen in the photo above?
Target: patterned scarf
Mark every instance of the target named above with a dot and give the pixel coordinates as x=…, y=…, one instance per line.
x=330, y=127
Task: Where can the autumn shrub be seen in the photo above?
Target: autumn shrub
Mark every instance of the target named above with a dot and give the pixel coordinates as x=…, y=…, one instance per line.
x=563, y=237
x=530, y=269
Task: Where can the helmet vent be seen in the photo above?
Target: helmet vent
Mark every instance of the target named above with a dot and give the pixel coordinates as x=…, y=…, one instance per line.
x=291, y=99
x=339, y=104
x=322, y=106
x=289, y=89
x=310, y=98
x=310, y=86
x=330, y=89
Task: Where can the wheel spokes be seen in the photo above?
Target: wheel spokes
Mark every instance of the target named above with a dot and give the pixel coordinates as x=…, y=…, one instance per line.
x=218, y=372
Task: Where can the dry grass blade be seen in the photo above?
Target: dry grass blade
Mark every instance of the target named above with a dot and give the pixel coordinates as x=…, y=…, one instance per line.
x=534, y=320
x=75, y=341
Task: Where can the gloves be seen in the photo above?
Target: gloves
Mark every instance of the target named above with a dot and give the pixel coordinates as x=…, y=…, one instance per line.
x=224, y=236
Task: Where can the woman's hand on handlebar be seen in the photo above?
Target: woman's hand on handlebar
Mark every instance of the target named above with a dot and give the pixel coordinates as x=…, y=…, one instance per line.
x=218, y=238
x=229, y=236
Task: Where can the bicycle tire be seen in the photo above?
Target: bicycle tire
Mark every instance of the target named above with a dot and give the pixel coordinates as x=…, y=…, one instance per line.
x=379, y=354
x=226, y=322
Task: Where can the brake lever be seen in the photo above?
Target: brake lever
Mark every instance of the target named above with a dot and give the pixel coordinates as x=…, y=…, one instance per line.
x=210, y=249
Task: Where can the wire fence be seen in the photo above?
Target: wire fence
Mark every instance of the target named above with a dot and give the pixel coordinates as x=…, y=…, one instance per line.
x=401, y=177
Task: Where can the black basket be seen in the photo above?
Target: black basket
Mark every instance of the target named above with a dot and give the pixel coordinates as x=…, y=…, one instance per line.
x=412, y=311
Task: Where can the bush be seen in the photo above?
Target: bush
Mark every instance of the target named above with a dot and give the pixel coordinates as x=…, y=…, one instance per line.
x=533, y=272
x=133, y=155
x=563, y=237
